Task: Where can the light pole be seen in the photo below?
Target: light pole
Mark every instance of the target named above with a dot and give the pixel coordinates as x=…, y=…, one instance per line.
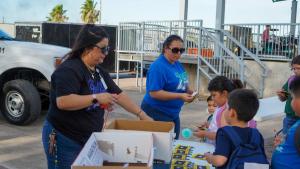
x=293, y=17
x=100, y=11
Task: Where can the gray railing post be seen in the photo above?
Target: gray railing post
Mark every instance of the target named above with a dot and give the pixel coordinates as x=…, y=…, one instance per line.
x=170, y=28
x=242, y=69
x=198, y=56
x=257, y=40
x=118, y=52
x=142, y=56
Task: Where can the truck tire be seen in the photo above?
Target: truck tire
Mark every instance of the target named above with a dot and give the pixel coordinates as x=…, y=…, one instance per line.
x=20, y=103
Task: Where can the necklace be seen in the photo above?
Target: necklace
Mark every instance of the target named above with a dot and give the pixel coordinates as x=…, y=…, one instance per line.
x=92, y=70
x=92, y=73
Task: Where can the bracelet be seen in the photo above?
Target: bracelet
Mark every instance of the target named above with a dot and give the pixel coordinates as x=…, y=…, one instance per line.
x=139, y=113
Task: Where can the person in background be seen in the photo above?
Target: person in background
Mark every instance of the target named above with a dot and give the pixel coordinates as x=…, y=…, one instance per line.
x=80, y=92
x=266, y=37
x=167, y=86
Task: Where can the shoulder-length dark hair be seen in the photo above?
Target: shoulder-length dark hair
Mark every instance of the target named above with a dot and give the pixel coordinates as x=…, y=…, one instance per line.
x=88, y=36
x=169, y=40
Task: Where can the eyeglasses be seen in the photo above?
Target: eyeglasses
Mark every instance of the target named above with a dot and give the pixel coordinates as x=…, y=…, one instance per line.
x=104, y=49
x=176, y=50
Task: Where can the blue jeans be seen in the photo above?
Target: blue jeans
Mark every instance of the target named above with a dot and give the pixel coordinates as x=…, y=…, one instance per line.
x=158, y=115
x=66, y=149
x=287, y=124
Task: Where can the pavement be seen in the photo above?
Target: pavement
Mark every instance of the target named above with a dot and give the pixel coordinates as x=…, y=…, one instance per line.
x=21, y=146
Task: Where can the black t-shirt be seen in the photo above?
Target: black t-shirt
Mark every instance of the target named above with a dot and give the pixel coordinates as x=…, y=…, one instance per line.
x=73, y=77
x=224, y=145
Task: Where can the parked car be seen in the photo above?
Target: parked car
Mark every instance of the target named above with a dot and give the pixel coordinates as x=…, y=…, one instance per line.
x=25, y=71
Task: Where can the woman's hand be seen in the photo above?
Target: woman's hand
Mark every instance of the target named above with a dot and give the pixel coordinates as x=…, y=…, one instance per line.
x=107, y=98
x=186, y=97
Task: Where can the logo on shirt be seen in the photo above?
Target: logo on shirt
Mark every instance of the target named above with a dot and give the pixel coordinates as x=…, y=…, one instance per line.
x=183, y=81
x=95, y=87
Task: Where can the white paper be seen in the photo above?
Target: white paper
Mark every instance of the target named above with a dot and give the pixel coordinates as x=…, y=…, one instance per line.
x=269, y=108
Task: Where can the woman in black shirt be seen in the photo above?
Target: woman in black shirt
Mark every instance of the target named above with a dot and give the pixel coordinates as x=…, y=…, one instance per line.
x=80, y=91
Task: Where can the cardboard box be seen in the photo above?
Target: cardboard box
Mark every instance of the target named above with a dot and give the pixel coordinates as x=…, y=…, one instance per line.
x=116, y=150
x=163, y=134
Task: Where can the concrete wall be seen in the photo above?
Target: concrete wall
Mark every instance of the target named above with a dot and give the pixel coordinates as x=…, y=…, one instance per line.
x=191, y=69
x=280, y=71
x=8, y=28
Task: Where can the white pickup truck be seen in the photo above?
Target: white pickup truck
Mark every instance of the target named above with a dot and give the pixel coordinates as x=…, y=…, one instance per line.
x=25, y=74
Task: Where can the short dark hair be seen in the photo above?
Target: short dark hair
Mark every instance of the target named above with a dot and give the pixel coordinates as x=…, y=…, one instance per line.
x=221, y=83
x=244, y=102
x=88, y=37
x=209, y=98
x=169, y=40
x=296, y=60
x=295, y=86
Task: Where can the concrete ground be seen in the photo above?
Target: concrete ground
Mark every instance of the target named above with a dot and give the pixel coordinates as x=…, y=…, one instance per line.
x=21, y=147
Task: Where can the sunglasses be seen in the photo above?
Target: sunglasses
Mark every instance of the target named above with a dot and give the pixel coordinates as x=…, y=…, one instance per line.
x=176, y=50
x=104, y=49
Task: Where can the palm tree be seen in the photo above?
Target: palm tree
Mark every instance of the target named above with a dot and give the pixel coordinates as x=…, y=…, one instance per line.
x=58, y=14
x=89, y=14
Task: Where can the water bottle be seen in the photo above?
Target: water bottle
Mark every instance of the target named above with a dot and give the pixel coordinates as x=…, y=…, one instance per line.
x=186, y=133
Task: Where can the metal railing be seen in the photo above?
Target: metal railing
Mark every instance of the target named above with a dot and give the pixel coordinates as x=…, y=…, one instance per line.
x=274, y=41
x=141, y=39
x=219, y=59
x=254, y=76
x=137, y=41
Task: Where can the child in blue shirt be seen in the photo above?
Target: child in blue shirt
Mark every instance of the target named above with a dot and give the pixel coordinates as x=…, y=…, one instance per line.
x=286, y=155
x=242, y=107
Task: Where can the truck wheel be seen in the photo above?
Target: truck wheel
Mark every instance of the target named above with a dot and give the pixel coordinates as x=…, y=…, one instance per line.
x=21, y=103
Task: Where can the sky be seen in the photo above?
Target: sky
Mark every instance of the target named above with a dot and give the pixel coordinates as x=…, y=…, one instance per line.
x=115, y=11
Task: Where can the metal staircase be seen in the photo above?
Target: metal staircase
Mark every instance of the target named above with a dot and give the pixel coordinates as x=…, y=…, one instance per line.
x=213, y=51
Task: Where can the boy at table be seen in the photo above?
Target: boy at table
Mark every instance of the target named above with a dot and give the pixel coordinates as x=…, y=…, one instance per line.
x=243, y=105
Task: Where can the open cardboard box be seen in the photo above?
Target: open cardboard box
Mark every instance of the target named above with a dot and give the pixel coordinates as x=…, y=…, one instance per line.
x=116, y=151
x=163, y=134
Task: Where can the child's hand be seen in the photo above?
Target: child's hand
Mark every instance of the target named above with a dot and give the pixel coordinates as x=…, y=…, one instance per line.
x=203, y=125
x=277, y=140
x=208, y=157
x=199, y=133
x=282, y=95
